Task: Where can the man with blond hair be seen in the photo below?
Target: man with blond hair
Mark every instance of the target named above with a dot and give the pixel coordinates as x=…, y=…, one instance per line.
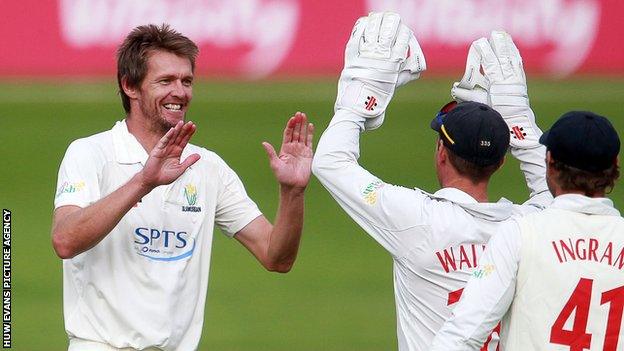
x=136, y=206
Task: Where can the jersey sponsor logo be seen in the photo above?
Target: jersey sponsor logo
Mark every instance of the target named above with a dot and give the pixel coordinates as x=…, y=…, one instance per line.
x=484, y=271
x=589, y=249
x=68, y=188
x=190, y=193
x=369, y=193
x=460, y=257
x=163, y=244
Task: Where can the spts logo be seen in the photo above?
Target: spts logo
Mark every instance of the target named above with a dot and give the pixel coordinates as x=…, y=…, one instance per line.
x=163, y=244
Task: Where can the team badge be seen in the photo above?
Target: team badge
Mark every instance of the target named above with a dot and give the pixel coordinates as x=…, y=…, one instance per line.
x=190, y=193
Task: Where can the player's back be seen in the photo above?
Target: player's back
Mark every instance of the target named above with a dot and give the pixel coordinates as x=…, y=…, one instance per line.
x=440, y=254
x=570, y=288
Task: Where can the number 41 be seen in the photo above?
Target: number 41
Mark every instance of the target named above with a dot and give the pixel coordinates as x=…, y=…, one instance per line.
x=577, y=338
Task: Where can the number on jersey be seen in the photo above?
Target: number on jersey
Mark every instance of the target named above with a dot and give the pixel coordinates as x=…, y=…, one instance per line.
x=578, y=339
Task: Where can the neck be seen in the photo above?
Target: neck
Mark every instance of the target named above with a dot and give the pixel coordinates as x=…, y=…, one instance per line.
x=559, y=192
x=145, y=132
x=477, y=191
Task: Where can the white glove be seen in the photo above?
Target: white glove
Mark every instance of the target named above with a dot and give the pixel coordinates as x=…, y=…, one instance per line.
x=376, y=62
x=502, y=64
x=474, y=85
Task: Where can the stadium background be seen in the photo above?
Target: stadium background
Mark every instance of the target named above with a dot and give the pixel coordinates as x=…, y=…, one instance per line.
x=261, y=61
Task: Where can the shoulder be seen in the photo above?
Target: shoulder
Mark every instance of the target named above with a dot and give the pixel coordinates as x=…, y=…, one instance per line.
x=92, y=148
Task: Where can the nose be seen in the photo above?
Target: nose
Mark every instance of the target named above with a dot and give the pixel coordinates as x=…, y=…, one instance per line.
x=178, y=89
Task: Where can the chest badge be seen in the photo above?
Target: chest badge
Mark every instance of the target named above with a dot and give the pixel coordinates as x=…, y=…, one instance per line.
x=190, y=193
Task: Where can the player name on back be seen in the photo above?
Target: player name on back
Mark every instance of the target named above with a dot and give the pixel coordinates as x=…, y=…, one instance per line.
x=582, y=249
x=460, y=257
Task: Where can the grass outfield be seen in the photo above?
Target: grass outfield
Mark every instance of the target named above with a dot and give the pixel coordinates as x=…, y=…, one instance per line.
x=339, y=295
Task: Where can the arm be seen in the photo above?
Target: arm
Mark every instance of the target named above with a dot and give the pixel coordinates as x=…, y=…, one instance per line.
x=487, y=295
x=275, y=246
x=365, y=88
x=76, y=229
x=503, y=86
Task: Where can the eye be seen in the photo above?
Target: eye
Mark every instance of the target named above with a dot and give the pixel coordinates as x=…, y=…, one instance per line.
x=164, y=81
x=187, y=82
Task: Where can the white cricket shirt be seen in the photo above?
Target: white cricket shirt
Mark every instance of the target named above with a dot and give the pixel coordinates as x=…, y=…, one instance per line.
x=435, y=240
x=144, y=285
x=556, y=276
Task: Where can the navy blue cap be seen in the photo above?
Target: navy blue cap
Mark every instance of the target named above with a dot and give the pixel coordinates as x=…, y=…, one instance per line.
x=583, y=140
x=473, y=131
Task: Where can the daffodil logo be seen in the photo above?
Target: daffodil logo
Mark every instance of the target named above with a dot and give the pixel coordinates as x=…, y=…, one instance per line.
x=190, y=193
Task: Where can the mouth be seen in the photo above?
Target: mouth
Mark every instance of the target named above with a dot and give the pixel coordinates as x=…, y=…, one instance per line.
x=173, y=107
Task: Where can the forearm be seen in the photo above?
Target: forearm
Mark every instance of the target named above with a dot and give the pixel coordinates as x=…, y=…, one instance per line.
x=533, y=166
x=286, y=232
x=79, y=230
x=338, y=149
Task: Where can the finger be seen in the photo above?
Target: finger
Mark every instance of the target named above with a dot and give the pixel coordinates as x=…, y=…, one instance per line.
x=401, y=46
x=189, y=161
x=501, y=44
x=356, y=34
x=183, y=132
x=489, y=62
x=288, y=131
x=162, y=143
x=176, y=131
x=297, y=128
x=302, y=128
x=371, y=32
x=188, y=135
x=270, y=150
x=310, y=135
x=472, y=76
x=389, y=29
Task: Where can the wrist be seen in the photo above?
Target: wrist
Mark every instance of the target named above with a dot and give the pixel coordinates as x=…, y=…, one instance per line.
x=291, y=191
x=142, y=185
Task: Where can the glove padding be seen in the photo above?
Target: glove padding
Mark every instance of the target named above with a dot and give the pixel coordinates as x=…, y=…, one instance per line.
x=381, y=54
x=502, y=64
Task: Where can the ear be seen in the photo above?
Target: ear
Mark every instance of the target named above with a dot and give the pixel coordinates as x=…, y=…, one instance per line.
x=132, y=92
x=502, y=162
x=549, y=159
x=441, y=152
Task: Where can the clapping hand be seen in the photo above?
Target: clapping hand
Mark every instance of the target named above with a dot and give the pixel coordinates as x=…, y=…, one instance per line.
x=163, y=165
x=292, y=167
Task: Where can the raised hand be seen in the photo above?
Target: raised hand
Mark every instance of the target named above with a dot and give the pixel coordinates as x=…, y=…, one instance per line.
x=293, y=165
x=163, y=165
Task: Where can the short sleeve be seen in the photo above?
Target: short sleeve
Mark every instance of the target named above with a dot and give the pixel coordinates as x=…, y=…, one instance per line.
x=78, y=179
x=234, y=208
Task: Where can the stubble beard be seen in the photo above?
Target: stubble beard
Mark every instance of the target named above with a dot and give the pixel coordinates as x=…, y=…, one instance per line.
x=158, y=123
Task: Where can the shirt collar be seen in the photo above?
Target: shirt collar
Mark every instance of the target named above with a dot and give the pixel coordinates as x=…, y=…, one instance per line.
x=454, y=195
x=584, y=204
x=496, y=211
x=128, y=150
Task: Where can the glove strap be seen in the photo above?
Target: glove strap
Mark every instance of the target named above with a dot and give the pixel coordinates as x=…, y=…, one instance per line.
x=509, y=95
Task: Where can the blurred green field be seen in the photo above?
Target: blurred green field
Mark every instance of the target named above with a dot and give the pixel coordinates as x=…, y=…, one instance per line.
x=339, y=295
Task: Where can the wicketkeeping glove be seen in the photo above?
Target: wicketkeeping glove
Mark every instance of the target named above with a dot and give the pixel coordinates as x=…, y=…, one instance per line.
x=474, y=85
x=381, y=54
x=502, y=64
